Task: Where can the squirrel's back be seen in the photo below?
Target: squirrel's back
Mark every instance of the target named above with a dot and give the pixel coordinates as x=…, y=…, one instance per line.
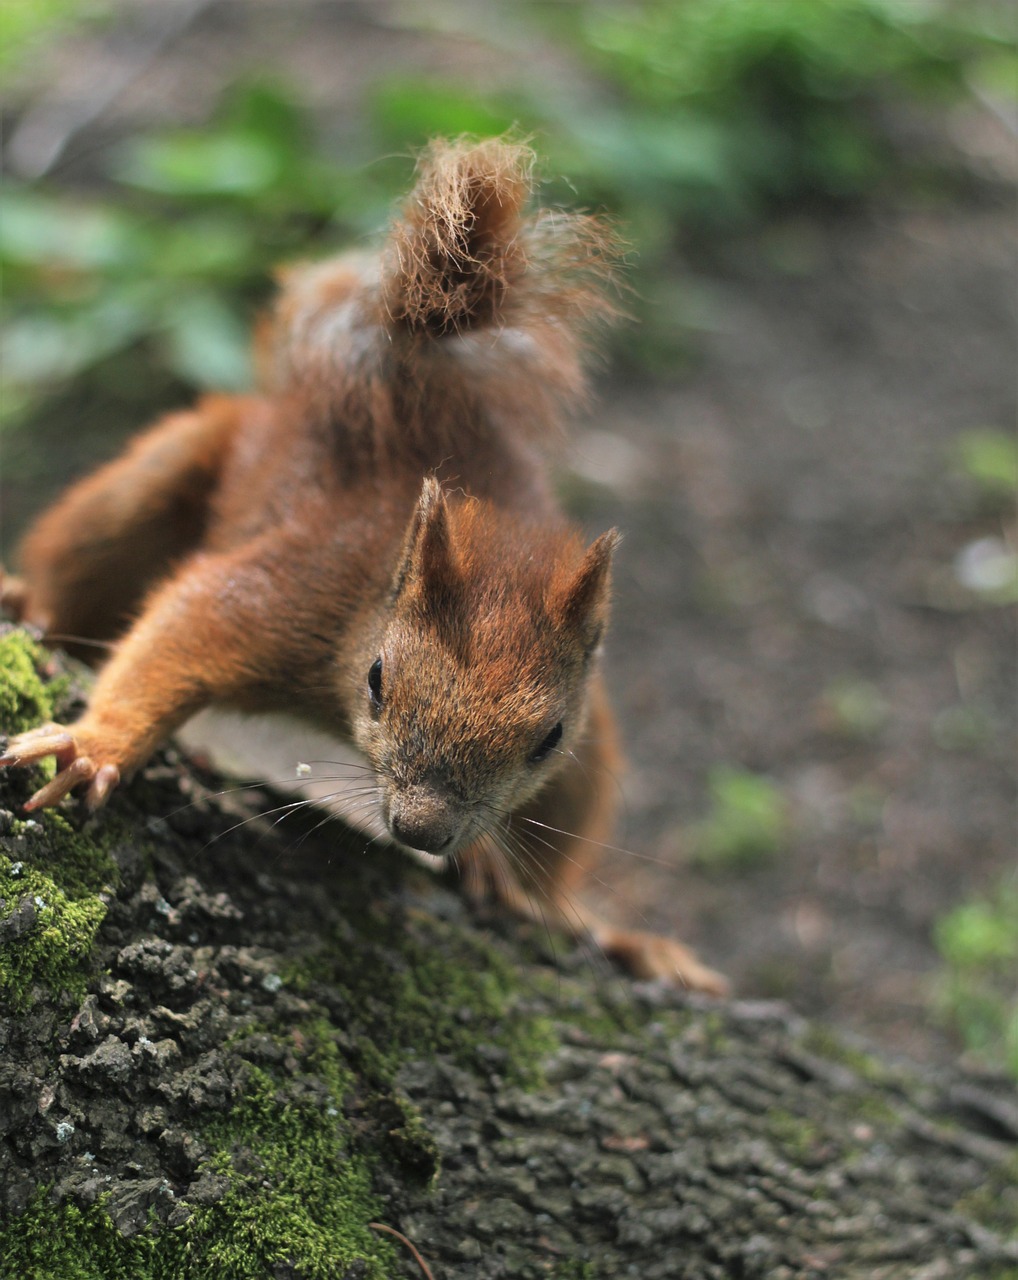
x=472, y=319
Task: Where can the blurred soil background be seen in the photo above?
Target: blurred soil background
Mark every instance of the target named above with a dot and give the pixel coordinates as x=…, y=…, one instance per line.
x=806, y=433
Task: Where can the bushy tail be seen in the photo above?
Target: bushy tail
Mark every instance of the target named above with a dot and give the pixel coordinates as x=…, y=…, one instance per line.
x=464, y=256
x=477, y=312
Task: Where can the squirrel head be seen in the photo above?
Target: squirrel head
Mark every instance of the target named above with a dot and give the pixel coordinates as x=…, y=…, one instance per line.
x=477, y=690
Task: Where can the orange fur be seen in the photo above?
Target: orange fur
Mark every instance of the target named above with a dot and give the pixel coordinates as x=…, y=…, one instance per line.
x=372, y=544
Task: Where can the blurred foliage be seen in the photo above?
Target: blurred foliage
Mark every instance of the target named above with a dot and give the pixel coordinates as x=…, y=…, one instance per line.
x=747, y=823
x=964, y=727
x=853, y=708
x=723, y=106
x=696, y=115
x=24, y=23
x=710, y=115
x=179, y=259
x=989, y=459
x=976, y=992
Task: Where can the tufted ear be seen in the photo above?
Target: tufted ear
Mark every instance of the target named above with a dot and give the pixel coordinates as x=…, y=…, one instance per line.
x=427, y=561
x=582, y=601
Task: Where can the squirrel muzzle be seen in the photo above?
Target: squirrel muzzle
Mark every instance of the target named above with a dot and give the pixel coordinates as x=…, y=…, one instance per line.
x=425, y=818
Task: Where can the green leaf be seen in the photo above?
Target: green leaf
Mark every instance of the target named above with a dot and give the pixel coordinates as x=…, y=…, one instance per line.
x=269, y=111
x=747, y=822
x=975, y=991
x=215, y=245
x=24, y=23
x=41, y=349
x=44, y=347
x=232, y=164
x=981, y=932
x=37, y=348
x=990, y=458
x=410, y=112
x=644, y=151
x=48, y=232
x=997, y=74
x=208, y=343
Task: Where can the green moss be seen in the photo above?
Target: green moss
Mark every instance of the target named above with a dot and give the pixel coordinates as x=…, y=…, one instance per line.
x=974, y=991
x=825, y=1043
x=874, y=1111
x=25, y=700
x=53, y=879
x=52, y=914
x=714, y=1033
x=299, y=1195
x=78, y=864
x=297, y=1191
x=605, y=1021
x=418, y=988
x=798, y=1137
x=297, y=1185
x=995, y=1204
x=75, y=1244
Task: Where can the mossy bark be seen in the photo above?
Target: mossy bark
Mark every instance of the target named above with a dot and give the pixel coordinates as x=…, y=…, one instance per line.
x=228, y=1047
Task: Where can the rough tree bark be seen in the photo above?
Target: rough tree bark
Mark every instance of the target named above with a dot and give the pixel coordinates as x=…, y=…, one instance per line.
x=230, y=1044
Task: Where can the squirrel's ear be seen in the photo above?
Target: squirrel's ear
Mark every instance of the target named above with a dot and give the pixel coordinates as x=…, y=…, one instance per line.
x=427, y=557
x=583, y=602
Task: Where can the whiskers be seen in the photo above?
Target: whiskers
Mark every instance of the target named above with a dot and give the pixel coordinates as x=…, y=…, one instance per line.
x=600, y=844
x=511, y=871
x=528, y=865
x=355, y=796
x=61, y=637
x=520, y=862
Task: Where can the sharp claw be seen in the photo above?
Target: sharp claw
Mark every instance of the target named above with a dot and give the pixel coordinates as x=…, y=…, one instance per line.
x=102, y=784
x=80, y=770
x=73, y=770
x=36, y=745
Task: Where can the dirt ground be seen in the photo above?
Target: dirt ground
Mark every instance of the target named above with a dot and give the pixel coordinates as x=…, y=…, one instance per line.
x=791, y=526
x=792, y=521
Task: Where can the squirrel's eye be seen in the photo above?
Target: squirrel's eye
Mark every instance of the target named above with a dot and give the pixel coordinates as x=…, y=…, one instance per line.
x=548, y=745
x=375, y=684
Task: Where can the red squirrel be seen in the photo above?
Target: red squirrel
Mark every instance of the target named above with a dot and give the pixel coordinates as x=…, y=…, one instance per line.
x=368, y=553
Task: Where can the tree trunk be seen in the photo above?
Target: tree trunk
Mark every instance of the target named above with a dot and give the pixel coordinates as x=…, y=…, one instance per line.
x=231, y=1044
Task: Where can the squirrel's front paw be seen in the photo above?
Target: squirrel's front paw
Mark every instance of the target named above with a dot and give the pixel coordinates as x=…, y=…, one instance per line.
x=81, y=759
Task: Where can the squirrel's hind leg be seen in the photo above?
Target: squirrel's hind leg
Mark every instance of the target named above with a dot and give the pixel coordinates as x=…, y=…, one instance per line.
x=556, y=841
x=89, y=559
x=13, y=596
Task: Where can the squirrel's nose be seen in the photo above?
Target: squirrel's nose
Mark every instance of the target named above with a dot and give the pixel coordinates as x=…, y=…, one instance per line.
x=422, y=819
x=419, y=835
